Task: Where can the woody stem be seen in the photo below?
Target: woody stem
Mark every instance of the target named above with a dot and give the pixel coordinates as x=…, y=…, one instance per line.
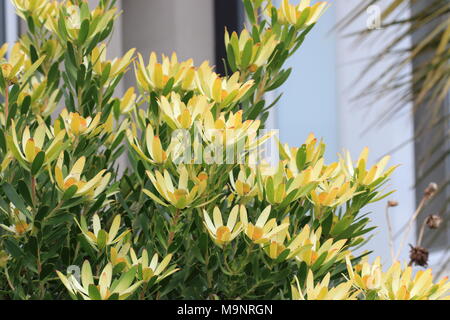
x=6, y=104
x=410, y=224
x=391, y=239
x=422, y=231
x=33, y=189
x=174, y=223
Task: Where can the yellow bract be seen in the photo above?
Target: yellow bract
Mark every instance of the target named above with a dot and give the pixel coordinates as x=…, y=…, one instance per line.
x=105, y=288
x=155, y=75
x=17, y=63
x=128, y=102
x=220, y=233
x=264, y=229
x=91, y=188
x=41, y=10
x=29, y=5
x=76, y=125
x=333, y=193
x=322, y=291
x=153, y=146
x=329, y=249
x=360, y=173
x=231, y=130
x=20, y=224
x=367, y=277
x=148, y=269
x=398, y=283
x=245, y=185
x=301, y=15
x=223, y=91
x=180, y=197
x=178, y=115
x=119, y=253
x=248, y=54
x=277, y=244
x=26, y=151
x=115, y=67
x=99, y=237
x=311, y=150
x=71, y=17
x=43, y=103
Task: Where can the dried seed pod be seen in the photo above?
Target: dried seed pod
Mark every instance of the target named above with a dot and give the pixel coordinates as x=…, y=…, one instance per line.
x=434, y=221
x=392, y=203
x=431, y=190
x=419, y=256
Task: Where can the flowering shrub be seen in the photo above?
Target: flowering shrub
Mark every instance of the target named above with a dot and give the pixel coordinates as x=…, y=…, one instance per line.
x=197, y=214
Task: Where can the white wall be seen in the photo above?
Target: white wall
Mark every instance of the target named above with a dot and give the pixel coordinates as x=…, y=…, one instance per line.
x=356, y=132
x=309, y=96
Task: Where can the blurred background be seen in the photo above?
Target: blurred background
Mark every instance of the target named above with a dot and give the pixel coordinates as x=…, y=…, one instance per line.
x=329, y=92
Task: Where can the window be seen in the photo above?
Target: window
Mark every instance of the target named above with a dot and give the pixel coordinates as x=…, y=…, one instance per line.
x=2, y=22
x=227, y=14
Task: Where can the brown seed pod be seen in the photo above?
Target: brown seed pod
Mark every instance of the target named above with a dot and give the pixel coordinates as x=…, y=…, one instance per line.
x=418, y=256
x=434, y=221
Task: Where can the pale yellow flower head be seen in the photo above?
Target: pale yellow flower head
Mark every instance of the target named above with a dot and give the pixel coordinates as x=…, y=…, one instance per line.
x=76, y=125
x=322, y=290
x=112, y=68
x=264, y=228
x=225, y=92
x=105, y=288
x=332, y=251
x=220, y=233
x=32, y=143
x=249, y=55
x=302, y=15
x=180, y=196
x=154, y=150
x=179, y=115
x=155, y=75
x=150, y=269
x=91, y=188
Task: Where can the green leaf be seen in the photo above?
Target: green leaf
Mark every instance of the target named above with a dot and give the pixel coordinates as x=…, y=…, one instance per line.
x=94, y=293
x=282, y=256
x=247, y=54
x=70, y=192
x=13, y=248
x=255, y=110
x=25, y=105
x=42, y=213
x=250, y=11
x=32, y=69
x=231, y=57
x=16, y=200
x=280, y=80
x=37, y=163
x=62, y=30
x=24, y=192
x=2, y=141
x=301, y=158
x=102, y=238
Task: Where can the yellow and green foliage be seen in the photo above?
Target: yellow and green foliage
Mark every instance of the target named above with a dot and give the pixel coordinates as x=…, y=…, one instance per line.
x=179, y=220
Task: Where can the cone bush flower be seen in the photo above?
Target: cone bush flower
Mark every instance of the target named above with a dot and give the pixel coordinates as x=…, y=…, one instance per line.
x=162, y=191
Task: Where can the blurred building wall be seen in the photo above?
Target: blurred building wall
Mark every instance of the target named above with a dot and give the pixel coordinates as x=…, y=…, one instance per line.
x=166, y=26
x=356, y=129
